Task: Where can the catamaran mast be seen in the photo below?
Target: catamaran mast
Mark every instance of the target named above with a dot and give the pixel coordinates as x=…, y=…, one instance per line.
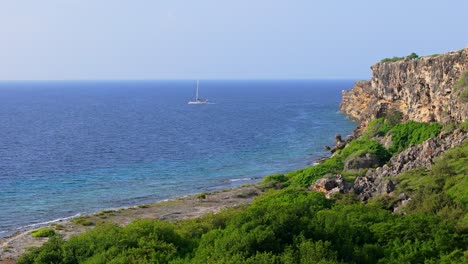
x=196, y=97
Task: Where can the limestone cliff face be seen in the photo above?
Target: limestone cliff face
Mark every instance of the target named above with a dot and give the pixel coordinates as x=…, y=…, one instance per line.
x=422, y=89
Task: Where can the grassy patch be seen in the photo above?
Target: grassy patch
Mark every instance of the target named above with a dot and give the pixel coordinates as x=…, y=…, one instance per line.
x=351, y=175
x=274, y=181
x=83, y=220
x=393, y=59
x=105, y=214
x=43, y=232
x=201, y=196
x=445, y=185
x=412, y=133
x=7, y=248
x=58, y=227
x=412, y=56
x=359, y=147
x=381, y=126
x=305, y=177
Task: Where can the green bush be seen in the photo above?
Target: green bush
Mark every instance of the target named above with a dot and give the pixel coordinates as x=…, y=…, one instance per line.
x=359, y=147
x=83, y=220
x=381, y=126
x=412, y=133
x=201, y=196
x=412, y=56
x=43, y=232
x=305, y=177
x=392, y=59
x=464, y=126
x=276, y=181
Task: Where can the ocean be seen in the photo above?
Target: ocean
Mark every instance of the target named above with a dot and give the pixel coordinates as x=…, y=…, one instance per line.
x=77, y=147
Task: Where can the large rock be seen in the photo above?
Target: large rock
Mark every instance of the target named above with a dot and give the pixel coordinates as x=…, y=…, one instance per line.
x=331, y=184
x=362, y=162
x=422, y=89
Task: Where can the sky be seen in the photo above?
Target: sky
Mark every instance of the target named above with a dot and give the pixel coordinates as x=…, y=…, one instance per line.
x=219, y=39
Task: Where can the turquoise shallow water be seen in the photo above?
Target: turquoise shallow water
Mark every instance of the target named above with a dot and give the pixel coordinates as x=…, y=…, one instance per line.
x=71, y=148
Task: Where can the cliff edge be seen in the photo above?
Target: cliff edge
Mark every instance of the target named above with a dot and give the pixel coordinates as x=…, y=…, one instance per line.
x=423, y=89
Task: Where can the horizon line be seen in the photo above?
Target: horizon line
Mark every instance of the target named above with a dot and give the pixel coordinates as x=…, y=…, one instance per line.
x=186, y=79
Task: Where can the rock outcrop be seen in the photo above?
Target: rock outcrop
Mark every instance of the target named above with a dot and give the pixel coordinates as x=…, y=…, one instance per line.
x=422, y=89
x=379, y=181
x=331, y=184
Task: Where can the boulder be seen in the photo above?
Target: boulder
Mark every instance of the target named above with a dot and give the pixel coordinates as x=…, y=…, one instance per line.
x=362, y=162
x=331, y=184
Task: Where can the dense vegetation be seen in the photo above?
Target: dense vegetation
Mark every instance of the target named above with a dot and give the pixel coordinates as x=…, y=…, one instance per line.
x=289, y=224
x=403, y=135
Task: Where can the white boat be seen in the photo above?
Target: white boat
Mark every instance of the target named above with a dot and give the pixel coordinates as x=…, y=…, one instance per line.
x=198, y=100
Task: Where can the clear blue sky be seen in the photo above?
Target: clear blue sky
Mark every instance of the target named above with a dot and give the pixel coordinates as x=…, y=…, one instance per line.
x=217, y=39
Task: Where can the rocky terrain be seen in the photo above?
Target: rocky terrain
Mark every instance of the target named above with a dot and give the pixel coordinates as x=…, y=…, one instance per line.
x=381, y=180
x=423, y=89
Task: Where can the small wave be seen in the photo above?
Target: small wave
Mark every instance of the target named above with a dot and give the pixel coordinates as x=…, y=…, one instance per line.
x=240, y=179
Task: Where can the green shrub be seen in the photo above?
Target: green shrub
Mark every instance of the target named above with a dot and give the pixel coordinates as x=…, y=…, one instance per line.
x=43, y=232
x=83, y=220
x=381, y=126
x=374, y=128
x=201, y=196
x=393, y=117
x=412, y=133
x=392, y=59
x=359, y=147
x=58, y=227
x=450, y=127
x=412, y=56
x=105, y=214
x=464, y=126
x=305, y=177
x=276, y=181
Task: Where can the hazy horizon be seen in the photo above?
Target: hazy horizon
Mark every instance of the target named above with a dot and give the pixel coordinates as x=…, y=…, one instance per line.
x=220, y=40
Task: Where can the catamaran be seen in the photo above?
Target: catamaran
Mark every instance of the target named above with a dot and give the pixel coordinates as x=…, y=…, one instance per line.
x=198, y=100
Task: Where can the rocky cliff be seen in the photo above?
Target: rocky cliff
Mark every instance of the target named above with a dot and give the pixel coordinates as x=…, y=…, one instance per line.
x=423, y=89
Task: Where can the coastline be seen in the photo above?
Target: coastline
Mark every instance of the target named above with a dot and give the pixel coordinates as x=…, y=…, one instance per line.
x=180, y=208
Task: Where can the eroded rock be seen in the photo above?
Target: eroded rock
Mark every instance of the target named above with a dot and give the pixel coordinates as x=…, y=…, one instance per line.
x=331, y=184
x=422, y=89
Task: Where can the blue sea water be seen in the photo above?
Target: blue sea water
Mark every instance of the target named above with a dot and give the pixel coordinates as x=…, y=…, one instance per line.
x=77, y=147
